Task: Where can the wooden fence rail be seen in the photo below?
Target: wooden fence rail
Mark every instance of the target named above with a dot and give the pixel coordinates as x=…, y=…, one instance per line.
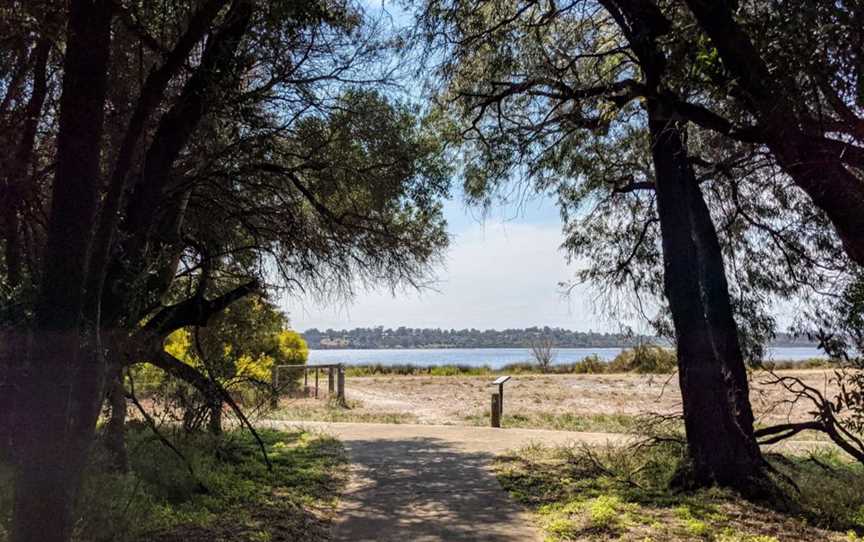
x=335, y=378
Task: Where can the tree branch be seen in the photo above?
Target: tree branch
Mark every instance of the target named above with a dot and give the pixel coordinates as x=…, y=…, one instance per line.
x=196, y=311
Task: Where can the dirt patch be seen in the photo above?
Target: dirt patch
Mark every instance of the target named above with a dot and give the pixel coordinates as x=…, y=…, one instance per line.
x=455, y=399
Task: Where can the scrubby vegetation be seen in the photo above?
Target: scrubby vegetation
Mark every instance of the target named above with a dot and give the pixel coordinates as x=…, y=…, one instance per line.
x=221, y=489
x=593, y=494
x=408, y=369
x=644, y=358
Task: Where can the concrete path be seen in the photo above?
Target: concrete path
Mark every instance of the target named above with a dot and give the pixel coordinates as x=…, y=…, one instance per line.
x=425, y=483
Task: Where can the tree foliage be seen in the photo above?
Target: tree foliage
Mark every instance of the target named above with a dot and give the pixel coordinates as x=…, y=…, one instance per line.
x=175, y=158
x=240, y=345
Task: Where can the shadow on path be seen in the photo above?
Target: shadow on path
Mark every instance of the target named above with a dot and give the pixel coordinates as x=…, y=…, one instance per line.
x=425, y=489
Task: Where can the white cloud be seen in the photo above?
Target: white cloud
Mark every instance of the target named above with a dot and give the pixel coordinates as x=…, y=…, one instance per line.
x=498, y=275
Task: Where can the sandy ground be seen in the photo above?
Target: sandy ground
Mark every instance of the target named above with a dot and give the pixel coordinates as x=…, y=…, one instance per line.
x=449, y=400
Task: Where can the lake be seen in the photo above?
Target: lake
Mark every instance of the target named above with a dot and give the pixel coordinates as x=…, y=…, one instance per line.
x=497, y=357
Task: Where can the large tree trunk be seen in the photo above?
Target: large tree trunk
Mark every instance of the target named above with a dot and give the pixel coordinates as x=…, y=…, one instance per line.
x=61, y=382
x=717, y=414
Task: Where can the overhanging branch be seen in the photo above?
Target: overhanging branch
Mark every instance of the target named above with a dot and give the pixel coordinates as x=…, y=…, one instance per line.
x=196, y=311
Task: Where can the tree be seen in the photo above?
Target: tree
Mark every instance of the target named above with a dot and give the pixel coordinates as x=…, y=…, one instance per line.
x=244, y=146
x=817, y=137
x=58, y=381
x=294, y=349
x=543, y=351
x=237, y=352
x=557, y=95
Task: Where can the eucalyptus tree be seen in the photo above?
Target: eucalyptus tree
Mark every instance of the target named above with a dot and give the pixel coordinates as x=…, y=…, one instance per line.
x=185, y=155
x=583, y=99
x=798, y=71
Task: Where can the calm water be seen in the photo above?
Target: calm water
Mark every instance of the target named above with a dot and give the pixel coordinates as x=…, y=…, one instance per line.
x=496, y=357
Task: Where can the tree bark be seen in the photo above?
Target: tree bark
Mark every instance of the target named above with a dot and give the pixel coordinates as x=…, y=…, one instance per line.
x=115, y=429
x=717, y=414
x=214, y=424
x=62, y=379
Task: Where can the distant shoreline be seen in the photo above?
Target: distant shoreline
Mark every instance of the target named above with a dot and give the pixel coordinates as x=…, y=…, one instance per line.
x=414, y=339
x=439, y=347
x=498, y=357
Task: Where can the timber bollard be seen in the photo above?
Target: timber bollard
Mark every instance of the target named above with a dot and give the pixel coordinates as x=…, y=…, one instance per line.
x=496, y=410
x=340, y=384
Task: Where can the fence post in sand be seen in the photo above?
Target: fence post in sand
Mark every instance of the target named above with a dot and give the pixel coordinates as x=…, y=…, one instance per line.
x=496, y=410
x=331, y=381
x=340, y=384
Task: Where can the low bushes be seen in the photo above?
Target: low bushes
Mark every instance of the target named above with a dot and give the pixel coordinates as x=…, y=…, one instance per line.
x=646, y=358
x=407, y=369
x=641, y=359
x=231, y=495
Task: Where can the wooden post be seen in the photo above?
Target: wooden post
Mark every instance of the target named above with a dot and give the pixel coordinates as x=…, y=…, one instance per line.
x=331, y=381
x=340, y=388
x=500, y=381
x=496, y=410
x=316, y=382
x=306, y=382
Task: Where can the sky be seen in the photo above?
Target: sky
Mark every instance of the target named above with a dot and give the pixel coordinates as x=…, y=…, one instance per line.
x=500, y=271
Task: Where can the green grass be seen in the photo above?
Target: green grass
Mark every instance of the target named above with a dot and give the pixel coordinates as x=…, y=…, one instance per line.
x=329, y=412
x=233, y=496
x=600, y=423
x=594, y=494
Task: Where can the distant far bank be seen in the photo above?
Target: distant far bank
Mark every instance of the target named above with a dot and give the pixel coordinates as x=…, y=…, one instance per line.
x=405, y=338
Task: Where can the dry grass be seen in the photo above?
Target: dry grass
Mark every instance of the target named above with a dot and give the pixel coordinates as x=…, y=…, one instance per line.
x=329, y=411
x=463, y=400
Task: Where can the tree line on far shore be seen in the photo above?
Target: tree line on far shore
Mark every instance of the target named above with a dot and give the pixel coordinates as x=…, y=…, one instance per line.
x=380, y=337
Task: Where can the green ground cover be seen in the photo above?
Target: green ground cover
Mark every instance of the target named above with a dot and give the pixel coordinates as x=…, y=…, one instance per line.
x=610, y=493
x=229, y=494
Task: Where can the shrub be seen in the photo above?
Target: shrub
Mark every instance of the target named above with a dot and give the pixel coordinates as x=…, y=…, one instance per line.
x=590, y=365
x=603, y=511
x=645, y=358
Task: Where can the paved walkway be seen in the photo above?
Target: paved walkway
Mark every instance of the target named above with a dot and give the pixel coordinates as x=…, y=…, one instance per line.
x=425, y=483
